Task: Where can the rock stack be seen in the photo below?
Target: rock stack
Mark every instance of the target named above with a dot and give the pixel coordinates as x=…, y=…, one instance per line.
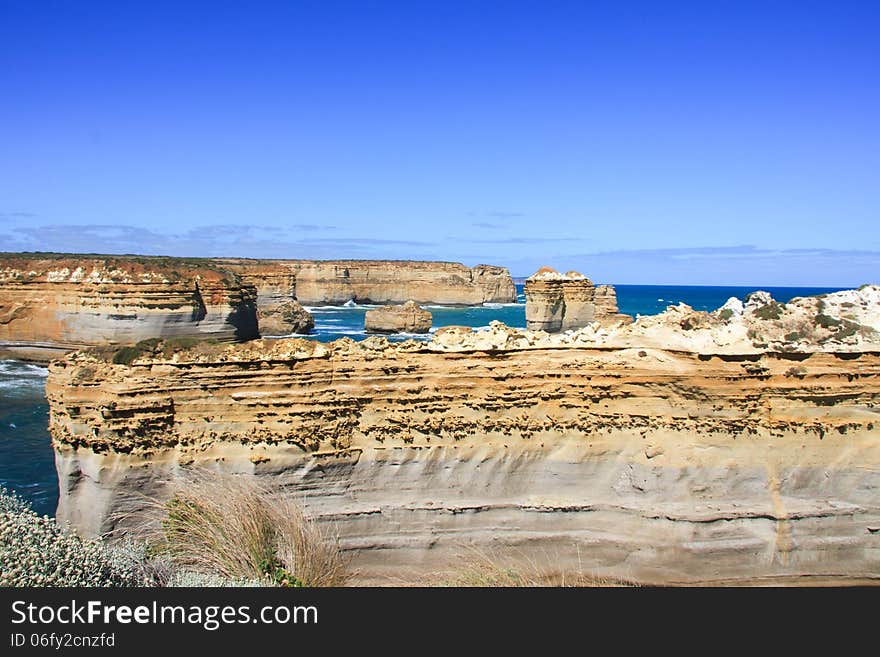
x=285, y=318
x=559, y=302
x=406, y=318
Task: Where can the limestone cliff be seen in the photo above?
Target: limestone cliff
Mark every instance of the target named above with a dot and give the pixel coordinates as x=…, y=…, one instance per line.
x=335, y=282
x=52, y=304
x=561, y=302
x=716, y=458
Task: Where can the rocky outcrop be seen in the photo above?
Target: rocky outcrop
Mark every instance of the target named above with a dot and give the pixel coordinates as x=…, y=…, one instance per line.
x=285, y=318
x=702, y=460
x=52, y=304
x=561, y=302
x=406, y=318
x=335, y=282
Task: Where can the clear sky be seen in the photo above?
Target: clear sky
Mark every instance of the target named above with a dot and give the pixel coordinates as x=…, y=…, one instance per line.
x=705, y=142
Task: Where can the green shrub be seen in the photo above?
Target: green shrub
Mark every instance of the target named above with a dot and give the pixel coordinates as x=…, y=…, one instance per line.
x=183, y=343
x=126, y=355
x=726, y=314
x=826, y=322
x=772, y=310
x=36, y=551
x=847, y=329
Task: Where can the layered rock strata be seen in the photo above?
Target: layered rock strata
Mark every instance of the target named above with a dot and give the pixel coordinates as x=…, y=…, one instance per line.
x=53, y=304
x=335, y=282
x=406, y=318
x=596, y=450
x=560, y=302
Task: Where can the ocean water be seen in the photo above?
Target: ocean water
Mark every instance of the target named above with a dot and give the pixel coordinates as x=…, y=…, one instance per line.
x=27, y=463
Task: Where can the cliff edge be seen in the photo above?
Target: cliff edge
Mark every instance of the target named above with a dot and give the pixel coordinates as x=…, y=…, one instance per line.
x=51, y=304
x=687, y=447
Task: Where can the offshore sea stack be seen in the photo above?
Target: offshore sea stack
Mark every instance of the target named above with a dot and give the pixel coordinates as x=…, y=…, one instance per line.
x=559, y=302
x=285, y=318
x=406, y=318
x=52, y=304
x=737, y=446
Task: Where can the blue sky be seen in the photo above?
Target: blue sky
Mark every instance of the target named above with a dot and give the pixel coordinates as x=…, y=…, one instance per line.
x=638, y=142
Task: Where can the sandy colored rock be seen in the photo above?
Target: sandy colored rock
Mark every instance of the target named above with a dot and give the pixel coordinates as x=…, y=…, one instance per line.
x=709, y=460
x=52, y=304
x=285, y=318
x=405, y=318
x=560, y=302
x=335, y=282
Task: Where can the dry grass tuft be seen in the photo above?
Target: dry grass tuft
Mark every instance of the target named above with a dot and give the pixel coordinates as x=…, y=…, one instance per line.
x=228, y=526
x=481, y=568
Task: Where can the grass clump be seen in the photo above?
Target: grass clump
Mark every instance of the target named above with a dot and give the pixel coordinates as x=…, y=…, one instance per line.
x=227, y=526
x=36, y=551
x=487, y=569
x=726, y=314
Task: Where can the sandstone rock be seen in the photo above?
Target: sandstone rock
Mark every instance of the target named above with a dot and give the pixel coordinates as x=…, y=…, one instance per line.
x=654, y=463
x=560, y=302
x=285, y=318
x=52, y=304
x=734, y=305
x=335, y=282
x=757, y=300
x=274, y=280
x=406, y=318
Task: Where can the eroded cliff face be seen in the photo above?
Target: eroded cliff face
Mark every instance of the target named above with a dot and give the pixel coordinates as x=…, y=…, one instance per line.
x=51, y=305
x=335, y=282
x=659, y=464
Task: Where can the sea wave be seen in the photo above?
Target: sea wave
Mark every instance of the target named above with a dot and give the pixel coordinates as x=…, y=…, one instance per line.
x=18, y=368
x=342, y=308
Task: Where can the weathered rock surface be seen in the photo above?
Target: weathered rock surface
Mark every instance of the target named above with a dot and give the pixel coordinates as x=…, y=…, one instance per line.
x=560, y=302
x=285, y=318
x=53, y=304
x=406, y=318
x=712, y=459
x=335, y=282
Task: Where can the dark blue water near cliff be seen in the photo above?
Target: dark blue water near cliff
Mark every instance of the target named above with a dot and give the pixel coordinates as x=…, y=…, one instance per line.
x=27, y=464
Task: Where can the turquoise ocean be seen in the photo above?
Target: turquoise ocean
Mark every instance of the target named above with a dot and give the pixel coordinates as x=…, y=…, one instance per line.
x=27, y=464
